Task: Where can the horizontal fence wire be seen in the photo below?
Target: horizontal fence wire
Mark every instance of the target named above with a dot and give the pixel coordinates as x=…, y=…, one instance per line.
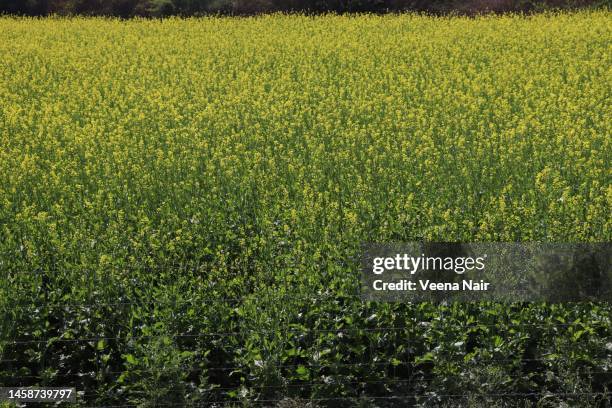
x=193, y=371
x=377, y=398
x=245, y=332
x=454, y=395
x=254, y=296
x=392, y=381
x=220, y=299
x=394, y=364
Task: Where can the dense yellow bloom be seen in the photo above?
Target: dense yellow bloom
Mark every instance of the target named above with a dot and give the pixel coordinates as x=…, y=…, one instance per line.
x=162, y=141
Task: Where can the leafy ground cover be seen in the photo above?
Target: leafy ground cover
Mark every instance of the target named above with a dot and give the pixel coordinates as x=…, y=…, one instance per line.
x=182, y=204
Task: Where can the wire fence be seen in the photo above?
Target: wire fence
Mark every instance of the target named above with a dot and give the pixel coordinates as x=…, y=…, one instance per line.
x=401, y=399
x=310, y=365
x=415, y=383
x=242, y=332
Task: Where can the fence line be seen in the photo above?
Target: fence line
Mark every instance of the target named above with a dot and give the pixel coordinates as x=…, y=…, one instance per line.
x=381, y=398
x=261, y=388
x=239, y=333
x=395, y=365
x=175, y=302
x=253, y=296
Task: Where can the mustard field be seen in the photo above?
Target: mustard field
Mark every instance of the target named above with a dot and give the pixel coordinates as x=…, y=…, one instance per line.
x=183, y=201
